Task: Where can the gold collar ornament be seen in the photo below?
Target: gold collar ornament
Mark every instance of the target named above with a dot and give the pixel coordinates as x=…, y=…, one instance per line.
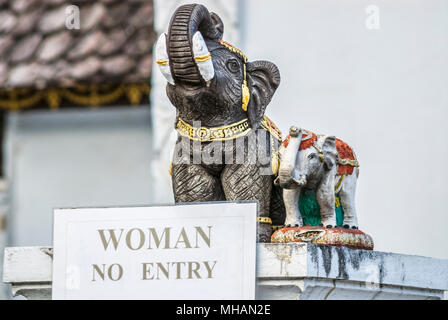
x=228, y=132
x=204, y=134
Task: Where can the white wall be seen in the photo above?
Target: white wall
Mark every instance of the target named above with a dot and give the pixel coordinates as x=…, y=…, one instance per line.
x=383, y=91
x=76, y=158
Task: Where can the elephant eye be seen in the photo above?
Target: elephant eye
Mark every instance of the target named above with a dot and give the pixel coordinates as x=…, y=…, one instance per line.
x=312, y=156
x=233, y=65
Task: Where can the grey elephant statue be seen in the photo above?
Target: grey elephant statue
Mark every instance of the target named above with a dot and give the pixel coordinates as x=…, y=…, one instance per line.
x=324, y=165
x=220, y=98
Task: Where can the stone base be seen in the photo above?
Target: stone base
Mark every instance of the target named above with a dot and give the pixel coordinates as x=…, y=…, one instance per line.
x=284, y=271
x=339, y=237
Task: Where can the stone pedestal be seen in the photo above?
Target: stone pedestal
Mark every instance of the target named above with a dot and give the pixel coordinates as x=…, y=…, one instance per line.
x=308, y=271
x=284, y=271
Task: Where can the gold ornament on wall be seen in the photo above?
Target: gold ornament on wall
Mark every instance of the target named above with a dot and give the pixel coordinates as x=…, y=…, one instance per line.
x=92, y=95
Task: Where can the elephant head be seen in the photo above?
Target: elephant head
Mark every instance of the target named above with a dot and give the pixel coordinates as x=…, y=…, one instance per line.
x=300, y=166
x=209, y=80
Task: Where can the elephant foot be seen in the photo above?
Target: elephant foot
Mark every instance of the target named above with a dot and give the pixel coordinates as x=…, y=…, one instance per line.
x=264, y=232
x=329, y=223
x=328, y=226
x=294, y=224
x=350, y=226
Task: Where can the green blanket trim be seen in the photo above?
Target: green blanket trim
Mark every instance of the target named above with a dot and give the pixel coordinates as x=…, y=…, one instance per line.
x=309, y=208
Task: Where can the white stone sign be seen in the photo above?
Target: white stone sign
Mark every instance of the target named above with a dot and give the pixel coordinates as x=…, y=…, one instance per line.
x=197, y=251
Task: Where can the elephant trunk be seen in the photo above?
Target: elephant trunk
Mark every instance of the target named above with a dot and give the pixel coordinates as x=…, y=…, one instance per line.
x=287, y=171
x=189, y=59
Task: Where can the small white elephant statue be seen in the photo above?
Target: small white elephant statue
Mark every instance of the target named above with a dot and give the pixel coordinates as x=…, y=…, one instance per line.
x=323, y=164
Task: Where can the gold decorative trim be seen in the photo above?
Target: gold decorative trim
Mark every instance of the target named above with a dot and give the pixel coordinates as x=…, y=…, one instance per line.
x=308, y=135
x=245, y=94
x=203, y=58
x=229, y=132
x=80, y=94
x=234, y=49
x=270, y=127
x=319, y=151
x=170, y=169
x=264, y=220
x=337, y=202
x=20, y=99
x=353, y=163
x=162, y=62
x=339, y=183
x=94, y=98
x=245, y=91
x=204, y=134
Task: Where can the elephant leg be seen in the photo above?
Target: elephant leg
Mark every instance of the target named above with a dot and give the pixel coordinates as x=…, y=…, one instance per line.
x=347, y=197
x=244, y=182
x=194, y=183
x=277, y=207
x=291, y=198
x=325, y=198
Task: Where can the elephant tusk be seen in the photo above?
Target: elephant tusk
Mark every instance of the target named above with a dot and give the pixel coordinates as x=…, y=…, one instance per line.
x=301, y=182
x=162, y=58
x=202, y=57
x=277, y=181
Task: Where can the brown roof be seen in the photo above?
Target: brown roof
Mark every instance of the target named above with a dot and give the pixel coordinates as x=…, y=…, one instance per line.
x=113, y=45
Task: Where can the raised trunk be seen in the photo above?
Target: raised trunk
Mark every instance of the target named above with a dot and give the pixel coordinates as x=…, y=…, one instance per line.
x=186, y=21
x=286, y=176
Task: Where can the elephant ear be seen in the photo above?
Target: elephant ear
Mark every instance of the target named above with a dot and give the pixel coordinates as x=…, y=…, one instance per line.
x=219, y=25
x=330, y=152
x=263, y=79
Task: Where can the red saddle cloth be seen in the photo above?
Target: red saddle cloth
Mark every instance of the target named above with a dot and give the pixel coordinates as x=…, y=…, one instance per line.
x=345, y=152
x=308, y=139
x=343, y=149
